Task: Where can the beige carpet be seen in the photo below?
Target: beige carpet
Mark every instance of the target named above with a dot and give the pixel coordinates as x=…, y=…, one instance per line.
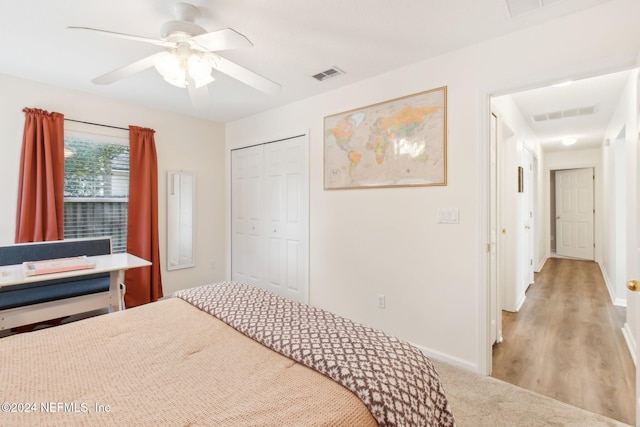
x=484, y=401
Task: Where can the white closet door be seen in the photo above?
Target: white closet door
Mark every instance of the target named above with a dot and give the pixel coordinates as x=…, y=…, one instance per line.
x=280, y=210
x=247, y=224
x=286, y=218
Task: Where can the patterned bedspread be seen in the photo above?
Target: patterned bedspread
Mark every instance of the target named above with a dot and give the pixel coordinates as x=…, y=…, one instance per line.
x=396, y=382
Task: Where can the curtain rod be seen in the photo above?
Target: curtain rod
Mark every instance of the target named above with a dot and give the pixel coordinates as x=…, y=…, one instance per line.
x=96, y=124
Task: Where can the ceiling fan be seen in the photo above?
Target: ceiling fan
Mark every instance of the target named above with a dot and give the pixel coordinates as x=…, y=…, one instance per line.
x=189, y=56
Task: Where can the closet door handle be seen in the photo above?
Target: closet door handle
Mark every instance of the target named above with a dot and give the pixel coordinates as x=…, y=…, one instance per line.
x=633, y=285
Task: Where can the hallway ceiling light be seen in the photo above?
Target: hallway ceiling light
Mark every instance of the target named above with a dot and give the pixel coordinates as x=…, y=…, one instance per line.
x=569, y=141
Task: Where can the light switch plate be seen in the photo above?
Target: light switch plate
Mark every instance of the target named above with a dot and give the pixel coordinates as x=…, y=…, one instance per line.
x=448, y=216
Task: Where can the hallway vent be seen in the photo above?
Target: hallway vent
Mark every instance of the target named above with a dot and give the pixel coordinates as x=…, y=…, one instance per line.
x=564, y=114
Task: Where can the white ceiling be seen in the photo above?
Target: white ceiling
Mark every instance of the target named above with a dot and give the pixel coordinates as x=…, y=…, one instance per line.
x=602, y=92
x=293, y=40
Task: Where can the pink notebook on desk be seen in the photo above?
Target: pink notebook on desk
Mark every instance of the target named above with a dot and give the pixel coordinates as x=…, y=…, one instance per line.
x=34, y=268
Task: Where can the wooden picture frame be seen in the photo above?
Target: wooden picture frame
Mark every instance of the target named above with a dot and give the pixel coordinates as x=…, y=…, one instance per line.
x=397, y=143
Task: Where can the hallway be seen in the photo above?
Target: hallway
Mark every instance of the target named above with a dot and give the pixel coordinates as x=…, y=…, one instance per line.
x=566, y=342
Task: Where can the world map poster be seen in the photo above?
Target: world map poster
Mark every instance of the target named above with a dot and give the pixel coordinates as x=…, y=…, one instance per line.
x=401, y=142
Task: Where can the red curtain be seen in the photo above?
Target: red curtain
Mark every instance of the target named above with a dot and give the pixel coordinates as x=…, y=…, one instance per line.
x=39, y=215
x=143, y=284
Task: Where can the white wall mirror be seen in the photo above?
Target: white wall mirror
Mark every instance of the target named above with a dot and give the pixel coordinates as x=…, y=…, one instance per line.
x=181, y=190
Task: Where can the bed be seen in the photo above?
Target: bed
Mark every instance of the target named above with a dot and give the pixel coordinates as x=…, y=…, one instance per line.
x=225, y=354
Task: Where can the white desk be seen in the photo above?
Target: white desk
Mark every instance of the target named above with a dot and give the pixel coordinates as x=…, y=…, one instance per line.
x=114, y=264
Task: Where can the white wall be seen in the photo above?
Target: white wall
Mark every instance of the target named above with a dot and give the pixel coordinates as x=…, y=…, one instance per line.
x=366, y=242
x=620, y=155
x=620, y=170
x=182, y=143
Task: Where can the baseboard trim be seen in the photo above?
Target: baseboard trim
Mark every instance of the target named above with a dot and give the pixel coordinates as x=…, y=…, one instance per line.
x=607, y=283
x=463, y=364
x=544, y=260
x=631, y=342
x=620, y=302
x=521, y=302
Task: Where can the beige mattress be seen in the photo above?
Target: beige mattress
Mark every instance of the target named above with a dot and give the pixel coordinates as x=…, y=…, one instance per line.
x=163, y=364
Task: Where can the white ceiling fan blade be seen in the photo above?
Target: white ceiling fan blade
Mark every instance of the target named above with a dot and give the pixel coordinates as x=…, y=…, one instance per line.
x=126, y=36
x=245, y=76
x=126, y=71
x=199, y=96
x=220, y=40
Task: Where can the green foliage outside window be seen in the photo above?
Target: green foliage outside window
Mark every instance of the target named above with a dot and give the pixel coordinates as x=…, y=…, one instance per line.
x=92, y=169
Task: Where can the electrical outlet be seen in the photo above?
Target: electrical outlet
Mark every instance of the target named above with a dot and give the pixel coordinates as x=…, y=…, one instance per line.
x=381, y=301
x=213, y=265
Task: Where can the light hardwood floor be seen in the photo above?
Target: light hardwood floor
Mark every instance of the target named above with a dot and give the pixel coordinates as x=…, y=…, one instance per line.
x=566, y=342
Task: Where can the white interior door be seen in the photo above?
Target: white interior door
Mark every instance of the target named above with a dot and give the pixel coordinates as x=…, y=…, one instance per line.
x=527, y=212
x=574, y=213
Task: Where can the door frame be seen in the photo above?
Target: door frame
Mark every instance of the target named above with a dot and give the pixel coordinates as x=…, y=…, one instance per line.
x=230, y=147
x=592, y=69
x=635, y=269
x=633, y=272
x=495, y=290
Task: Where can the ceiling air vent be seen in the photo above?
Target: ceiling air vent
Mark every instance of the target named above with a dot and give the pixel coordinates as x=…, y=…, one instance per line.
x=563, y=114
x=331, y=72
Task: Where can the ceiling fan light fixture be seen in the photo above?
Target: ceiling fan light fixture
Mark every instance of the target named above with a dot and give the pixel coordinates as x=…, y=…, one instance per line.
x=167, y=64
x=176, y=77
x=177, y=81
x=182, y=38
x=199, y=70
x=170, y=68
x=180, y=70
x=203, y=81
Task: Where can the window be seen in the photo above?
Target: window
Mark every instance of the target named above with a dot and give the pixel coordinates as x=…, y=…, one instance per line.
x=96, y=187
